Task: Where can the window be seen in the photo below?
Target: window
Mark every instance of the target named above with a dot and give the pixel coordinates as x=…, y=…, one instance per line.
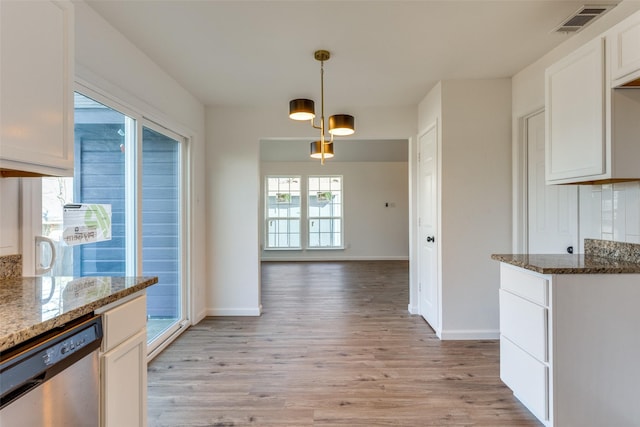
x=137, y=167
x=325, y=212
x=283, y=212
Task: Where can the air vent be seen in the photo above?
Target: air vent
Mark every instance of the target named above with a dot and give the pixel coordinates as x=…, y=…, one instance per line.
x=583, y=17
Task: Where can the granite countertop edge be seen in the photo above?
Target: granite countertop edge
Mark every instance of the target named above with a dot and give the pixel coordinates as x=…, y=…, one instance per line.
x=19, y=336
x=600, y=257
x=581, y=264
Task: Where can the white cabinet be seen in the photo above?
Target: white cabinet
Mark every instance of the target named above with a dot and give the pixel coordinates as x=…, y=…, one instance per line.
x=569, y=346
x=575, y=115
x=524, y=338
x=625, y=52
x=36, y=87
x=123, y=365
x=591, y=128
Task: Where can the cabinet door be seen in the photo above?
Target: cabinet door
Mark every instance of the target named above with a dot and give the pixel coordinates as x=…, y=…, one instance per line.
x=575, y=116
x=124, y=383
x=36, y=83
x=625, y=51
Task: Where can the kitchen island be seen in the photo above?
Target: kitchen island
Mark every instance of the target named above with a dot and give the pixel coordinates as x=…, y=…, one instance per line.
x=568, y=333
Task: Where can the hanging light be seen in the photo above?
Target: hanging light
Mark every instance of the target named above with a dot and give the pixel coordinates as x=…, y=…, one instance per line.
x=339, y=124
x=316, y=150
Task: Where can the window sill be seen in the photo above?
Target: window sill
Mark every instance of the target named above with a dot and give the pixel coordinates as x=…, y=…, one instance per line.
x=282, y=249
x=332, y=248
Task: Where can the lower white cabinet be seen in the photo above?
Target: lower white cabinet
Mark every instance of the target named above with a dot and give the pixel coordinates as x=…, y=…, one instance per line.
x=569, y=346
x=123, y=364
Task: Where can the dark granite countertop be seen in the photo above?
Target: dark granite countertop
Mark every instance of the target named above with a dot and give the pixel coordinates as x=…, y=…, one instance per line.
x=568, y=264
x=30, y=306
x=600, y=257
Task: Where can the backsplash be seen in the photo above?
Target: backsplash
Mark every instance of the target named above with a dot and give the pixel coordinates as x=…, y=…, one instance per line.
x=10, y=266
x=620, y=251
x=610, y=212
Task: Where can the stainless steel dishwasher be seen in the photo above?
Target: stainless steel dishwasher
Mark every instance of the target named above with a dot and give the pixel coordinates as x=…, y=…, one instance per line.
x=53, y=380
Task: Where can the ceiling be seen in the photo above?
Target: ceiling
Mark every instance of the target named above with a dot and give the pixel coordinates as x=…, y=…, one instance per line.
x=384, y=53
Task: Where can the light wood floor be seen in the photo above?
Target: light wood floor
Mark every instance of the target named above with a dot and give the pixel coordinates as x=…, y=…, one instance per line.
x=335, y=346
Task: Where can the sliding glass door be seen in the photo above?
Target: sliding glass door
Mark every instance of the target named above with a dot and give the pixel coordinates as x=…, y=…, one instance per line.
x=162, y=229
x=134, y=167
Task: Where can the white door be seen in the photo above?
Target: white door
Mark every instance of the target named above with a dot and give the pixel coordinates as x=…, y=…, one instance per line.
x=427, y=227
x=552, y=209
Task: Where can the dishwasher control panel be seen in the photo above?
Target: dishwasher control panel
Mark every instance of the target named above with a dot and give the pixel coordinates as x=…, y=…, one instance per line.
x=67, y=347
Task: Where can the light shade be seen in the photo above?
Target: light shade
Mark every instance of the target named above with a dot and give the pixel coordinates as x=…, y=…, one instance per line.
x=302, y=109
x=315, y=150
x=342, y=125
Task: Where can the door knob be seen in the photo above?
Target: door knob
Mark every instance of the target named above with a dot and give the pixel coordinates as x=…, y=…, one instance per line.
x=431, y=239
x=570, y=250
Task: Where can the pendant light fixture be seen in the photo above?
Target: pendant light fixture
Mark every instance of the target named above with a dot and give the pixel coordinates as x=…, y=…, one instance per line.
x=339, y=124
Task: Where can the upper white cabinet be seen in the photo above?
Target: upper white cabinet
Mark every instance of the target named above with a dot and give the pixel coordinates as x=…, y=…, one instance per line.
x=625, y=52
x=575, y=116
x=592, y=122
x=36, y=87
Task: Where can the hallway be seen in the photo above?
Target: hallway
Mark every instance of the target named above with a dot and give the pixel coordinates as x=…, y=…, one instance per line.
x=335, y=346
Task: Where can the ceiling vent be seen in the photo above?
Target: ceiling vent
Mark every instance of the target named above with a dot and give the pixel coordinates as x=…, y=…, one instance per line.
x=583, y=17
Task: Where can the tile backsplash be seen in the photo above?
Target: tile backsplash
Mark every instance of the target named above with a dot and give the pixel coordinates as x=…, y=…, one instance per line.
x=610, y=212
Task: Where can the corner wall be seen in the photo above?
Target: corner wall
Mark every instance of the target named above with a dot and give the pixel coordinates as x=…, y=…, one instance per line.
x=474, y=162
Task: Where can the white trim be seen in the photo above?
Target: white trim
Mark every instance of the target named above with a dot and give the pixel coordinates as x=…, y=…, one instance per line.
x=199, y=317
x=152, y=352
x=30, y=222
x=413, y=309
x=336, y=259
x=216, y=312
x=520, y=183
x=469, y=334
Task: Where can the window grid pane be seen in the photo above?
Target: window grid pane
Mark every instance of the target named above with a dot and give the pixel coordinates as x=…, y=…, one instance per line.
x=283, y=212
x=325, y=211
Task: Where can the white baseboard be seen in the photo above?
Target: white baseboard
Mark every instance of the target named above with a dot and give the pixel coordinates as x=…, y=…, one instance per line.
x=198, y=317
x=469, y=334
x=413, y=309
x=336, y=258
x=234, y=311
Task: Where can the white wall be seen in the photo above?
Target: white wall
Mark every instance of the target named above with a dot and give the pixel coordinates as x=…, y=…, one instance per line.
x=9, y=218
x=371, y=230
x=601, y=215
x=233, y=163
x=474, y=146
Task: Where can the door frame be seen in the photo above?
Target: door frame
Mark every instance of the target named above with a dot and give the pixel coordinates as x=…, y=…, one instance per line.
x=520, y=160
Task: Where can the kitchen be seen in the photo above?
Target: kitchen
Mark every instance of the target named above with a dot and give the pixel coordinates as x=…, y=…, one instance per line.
x=232, y=162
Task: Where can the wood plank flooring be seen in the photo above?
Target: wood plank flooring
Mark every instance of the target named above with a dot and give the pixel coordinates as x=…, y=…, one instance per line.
x=335, y=346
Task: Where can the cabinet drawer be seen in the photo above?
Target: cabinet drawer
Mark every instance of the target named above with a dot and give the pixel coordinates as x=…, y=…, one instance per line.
x=527, y=377
x=525, y=284
x=123, y=322
x=524, y=323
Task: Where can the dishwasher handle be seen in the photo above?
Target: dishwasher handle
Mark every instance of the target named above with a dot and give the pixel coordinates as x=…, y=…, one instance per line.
x=24, y=388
